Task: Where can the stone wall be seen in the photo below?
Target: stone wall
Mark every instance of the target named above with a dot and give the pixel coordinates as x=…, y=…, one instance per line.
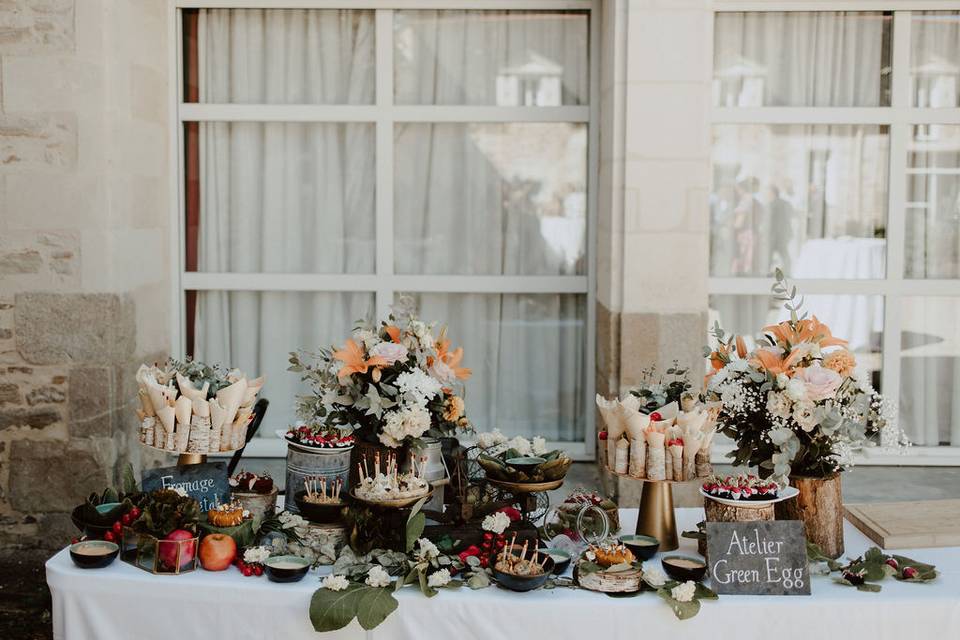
x=654, y=181
x=84, y=272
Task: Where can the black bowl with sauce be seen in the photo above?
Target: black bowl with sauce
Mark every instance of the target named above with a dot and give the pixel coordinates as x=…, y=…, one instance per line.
x=93, y=554
x=286, y=568
x=643, y=547
x=684, y=568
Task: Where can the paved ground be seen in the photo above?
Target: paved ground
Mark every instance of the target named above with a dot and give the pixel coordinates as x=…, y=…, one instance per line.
x=25, y=600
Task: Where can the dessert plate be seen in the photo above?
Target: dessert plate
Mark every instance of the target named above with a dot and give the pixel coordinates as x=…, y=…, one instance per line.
x=785, y=494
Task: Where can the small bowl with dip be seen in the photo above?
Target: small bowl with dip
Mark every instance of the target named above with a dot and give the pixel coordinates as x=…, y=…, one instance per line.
x=684, y=568
x=561, y=560
x=526, y=464
x=643, y=547
x=93, y=554
x=286, y=568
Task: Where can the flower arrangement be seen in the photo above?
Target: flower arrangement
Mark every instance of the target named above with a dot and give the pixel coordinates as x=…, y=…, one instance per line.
x=798, y=403
x=391, y=384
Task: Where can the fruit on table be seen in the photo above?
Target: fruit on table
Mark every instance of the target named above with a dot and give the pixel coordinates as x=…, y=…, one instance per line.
x=167, y=549
x=217, y=552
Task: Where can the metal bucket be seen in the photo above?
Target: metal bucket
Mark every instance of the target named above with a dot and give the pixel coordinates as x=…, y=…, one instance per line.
x=304, y=463
x=435, y=471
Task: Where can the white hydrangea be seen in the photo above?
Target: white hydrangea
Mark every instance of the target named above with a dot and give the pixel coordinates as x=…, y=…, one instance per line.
x=335, y=583
x=654, y=576
x=427, y=550
x=805, y=415
x=256, y=555
x=405, y=421
x=289, y=520
x=779, y=405
x=378, y=577
x=796, y=390
x=684, y=592
x=490, y=439
x=521, y=444
x=496, y=522
x=418, y=386
x=439, y=578
x=539, y=445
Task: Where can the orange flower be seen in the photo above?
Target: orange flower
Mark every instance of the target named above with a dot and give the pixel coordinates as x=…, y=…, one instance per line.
x=841, y=361
x=353, y=361
x=452, y=358
x=807, y=330
x=772, y=363
x=741, y=347
x=393, y=332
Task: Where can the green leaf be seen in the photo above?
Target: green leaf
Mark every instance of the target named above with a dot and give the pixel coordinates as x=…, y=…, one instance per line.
x=243, y=534
x=332, y=610
x=869, y=587
x=415, y=526
x=426, y=589
x=374, y=606
x=683, y=610
x=478, y=580
x=704, y=593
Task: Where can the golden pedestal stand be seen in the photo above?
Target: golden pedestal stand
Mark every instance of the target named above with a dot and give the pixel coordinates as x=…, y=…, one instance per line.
x=656, y=516
x=191, y=458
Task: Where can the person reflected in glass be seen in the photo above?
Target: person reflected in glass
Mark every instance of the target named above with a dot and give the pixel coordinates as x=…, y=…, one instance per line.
x=782, y=216
x=746, y=218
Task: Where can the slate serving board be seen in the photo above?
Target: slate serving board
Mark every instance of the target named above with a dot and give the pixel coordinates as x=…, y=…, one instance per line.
x=908, y=525
x=758, y=558
x=206, y=483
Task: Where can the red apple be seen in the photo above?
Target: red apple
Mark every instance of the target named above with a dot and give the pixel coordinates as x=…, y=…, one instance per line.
x=217, y=552
x=168, y=550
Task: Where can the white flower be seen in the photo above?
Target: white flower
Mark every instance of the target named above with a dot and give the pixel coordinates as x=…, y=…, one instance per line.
x=805, y=415
x=418, y=386
x=390, y=351
x=289, y=520
x=521, y=444
x=796, y=390
x=490, y=439
x=862, y=379
x=684, y=592
x=438, y=578
x=401, y=423
x=442, y=372
x=539, y=445
x=378, y=577
x=779, y=405
x=365, y=337
x=821, y=383
x=654, y=576
x=335, y=583
x=427, y=550
x=496, y=522
x=782, y=380
x=256, y=555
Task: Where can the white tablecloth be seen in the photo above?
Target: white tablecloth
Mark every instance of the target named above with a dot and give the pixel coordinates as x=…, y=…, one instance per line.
x=125, y=603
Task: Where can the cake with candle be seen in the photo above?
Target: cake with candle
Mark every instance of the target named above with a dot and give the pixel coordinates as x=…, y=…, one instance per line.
x=608, y=554
x=390, y=483
x=228, y=514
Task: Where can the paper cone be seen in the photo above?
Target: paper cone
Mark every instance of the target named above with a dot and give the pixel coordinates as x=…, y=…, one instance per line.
x=167, y=416
x=145, y=403
x=184, y=407
x=634, y=421
x=187, y=388
x=692, y=419
x=231, y=397
x=668, y=411
x=201, y=408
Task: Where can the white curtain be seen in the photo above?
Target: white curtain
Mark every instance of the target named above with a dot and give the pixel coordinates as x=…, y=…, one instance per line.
x=935, y=58
x=469, y=199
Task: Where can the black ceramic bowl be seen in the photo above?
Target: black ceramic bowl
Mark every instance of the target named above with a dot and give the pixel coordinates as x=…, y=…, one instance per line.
x=317, y=513
x=93, y=554
x=286, y=568
x=527, y=464
x=561, y=560
x=525, y=583
x=643, y=547
x=684, y=568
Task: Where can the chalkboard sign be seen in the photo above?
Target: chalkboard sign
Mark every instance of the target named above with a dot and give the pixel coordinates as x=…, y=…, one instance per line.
x=206, y=483
x=758, y=558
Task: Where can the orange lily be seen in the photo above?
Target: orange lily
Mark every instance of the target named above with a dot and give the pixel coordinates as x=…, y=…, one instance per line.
x=772, y=363
x=452, y=358
x=741, y=347
x=393, y=332
x=808, y=330
x=353, y=361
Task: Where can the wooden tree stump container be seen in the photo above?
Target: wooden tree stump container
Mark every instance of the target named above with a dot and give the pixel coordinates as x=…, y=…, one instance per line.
x=820, y=507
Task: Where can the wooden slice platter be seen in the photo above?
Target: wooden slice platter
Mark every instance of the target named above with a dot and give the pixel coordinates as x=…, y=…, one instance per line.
x=908, y=525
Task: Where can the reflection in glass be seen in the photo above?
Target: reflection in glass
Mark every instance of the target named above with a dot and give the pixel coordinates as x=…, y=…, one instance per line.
x=490, y=198
x=935, y=58
x=279, y=56
x=811, y=199
x=504, y=58
x=255, y=330
x=284, y=197
x=817, y=59
x=930, y=370
x=933, y=203
x=527, y=353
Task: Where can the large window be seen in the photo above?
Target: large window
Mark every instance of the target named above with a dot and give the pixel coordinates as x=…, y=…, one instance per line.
x=335, y=159
x=836, y=156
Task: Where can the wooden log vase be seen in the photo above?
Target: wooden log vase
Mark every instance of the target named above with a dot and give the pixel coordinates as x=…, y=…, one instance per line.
x=819, y=506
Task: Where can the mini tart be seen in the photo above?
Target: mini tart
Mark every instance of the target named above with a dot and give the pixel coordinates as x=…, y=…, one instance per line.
x=226, y=515
x=607, y=556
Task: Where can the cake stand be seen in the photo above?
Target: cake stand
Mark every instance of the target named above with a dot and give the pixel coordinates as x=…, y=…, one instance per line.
x=656, y=517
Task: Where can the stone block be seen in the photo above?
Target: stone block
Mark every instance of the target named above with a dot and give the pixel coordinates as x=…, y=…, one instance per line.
x=32, y=141
x=45, y=395
x=35, y=418
x=32, y=26
x=50, y=476
x=657, y=339
x=9, y=393
x=22, y=261
x=91, y=401
x=89, y=328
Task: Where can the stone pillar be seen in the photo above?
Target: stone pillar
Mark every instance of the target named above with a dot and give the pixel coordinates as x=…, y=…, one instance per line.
x=654, y=183
x=84, y=273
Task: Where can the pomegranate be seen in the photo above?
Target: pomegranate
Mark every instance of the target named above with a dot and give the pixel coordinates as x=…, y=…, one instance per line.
x=167, y=549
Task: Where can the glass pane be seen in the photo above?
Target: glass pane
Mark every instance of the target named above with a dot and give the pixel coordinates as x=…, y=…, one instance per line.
x=930, y=370
x=856, y=319
x=255, y=330
x=811, y=199
x=277, y=197
x=279, y=56
x=817, y=59
x=935, y=58
x=505, y=58
x=490, y=198
x=527, y=352
x=933, y=203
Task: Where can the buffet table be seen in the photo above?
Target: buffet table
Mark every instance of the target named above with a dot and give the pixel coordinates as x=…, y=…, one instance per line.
x=122, y=602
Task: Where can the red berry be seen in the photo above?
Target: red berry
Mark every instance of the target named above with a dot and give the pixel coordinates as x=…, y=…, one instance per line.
x=247, y=571
x=258, y=570
x=655, y=416
x=910, y=573
x=500, y=543
x=487, y=535
x=135, y=513
x=893, y=563
x=126, y=519
x=109, y=537
x=602, y=435
x=117, y=528
x=75, y=541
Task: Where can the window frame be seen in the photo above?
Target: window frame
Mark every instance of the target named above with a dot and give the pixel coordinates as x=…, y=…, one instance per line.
x=900, y=116
x=384, y=283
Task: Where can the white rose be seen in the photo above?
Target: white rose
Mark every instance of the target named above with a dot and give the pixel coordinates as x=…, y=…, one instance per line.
x=804, y=414
x=821, y=383
x=378, y=577
x=438, y=578
x=335, y=583
x=796, y=390
x=427, y=550
x=684, y=592
x=778, y=405
x=496, y=522
x=654, y=576
x=390, y=351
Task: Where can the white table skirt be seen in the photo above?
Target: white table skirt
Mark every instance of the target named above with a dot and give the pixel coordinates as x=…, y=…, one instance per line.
x=122, y=602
